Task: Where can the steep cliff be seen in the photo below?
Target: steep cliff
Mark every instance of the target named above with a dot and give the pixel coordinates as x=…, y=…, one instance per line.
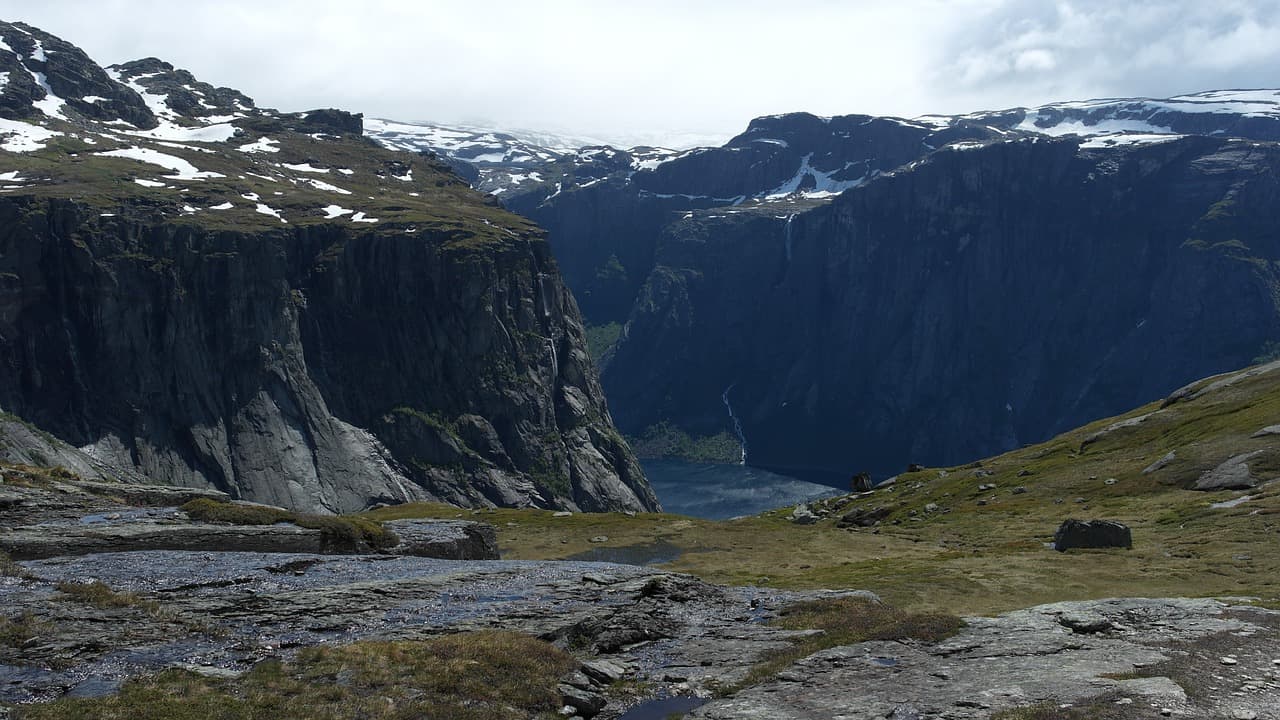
x=271, y=305
x=967, y=304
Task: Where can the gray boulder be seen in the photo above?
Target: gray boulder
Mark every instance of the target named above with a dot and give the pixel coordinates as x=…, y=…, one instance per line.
x=1234, y=474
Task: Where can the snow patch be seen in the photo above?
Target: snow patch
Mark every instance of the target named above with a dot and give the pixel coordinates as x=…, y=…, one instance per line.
x=333, y=211
x=265, y=144
x=268, y=210
x=360, y=218
x=824, y=186
x=149, y=183
x=304, y=167
x=25, y=136
x=1124, y=139
x=223, y=206
x=169, y=131
x=322, y=185
x=1078, y=127
x=51, y=104
x=183, y=170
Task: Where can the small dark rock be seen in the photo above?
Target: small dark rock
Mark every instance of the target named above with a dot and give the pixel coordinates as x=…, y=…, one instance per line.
x=915, y=467
x=861, y=482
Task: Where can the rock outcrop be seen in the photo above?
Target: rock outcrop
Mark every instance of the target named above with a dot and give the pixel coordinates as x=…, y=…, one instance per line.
x=211, y=313
x=1182, y=658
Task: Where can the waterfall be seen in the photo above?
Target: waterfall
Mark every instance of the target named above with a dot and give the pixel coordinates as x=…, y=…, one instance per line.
x=787, y=236
x=737, y=425
x=555, y=361
x=542, y=292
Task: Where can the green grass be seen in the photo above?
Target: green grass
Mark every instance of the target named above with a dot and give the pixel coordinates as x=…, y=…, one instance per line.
x=470, y=676
x=36, y=477
x=986, y=559
x=100, y=595
x=601, y=338
x=16, y=631
x=342, y=533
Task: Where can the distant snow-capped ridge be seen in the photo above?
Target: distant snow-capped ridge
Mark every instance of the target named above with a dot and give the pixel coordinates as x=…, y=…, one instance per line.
x=828, y=154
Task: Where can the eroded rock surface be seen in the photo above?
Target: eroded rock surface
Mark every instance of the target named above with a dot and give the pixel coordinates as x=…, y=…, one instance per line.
x=229, y=610
x=1153, y=655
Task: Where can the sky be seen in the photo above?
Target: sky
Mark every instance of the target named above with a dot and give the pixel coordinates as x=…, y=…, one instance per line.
x=678, y=72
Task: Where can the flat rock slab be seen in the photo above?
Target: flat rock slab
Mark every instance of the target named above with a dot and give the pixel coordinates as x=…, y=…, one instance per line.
x=449, y=539
x=1043, y=654
x=151, y=495
x=1232, y=474
x=34, y=543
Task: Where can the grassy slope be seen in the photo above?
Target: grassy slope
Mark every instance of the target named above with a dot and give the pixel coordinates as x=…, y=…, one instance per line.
x=972, y=558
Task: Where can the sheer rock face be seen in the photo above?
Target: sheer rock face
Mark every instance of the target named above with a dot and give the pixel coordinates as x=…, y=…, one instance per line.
x=980, y=300
x=182, y=296
x=317, y=368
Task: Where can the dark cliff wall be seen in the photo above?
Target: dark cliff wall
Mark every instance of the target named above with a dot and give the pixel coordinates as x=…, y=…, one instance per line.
x=319, y=367
x=983, y=299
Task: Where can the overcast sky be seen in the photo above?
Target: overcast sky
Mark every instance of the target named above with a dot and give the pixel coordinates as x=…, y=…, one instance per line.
x=675, y=71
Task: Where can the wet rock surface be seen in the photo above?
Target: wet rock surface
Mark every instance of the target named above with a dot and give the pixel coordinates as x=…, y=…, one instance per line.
x=1149, y=655
x=227, y=611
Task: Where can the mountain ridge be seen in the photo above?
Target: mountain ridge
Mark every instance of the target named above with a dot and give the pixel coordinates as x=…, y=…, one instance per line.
x=269, y=304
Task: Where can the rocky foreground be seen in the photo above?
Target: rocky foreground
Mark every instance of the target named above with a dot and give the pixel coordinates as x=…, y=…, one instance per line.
x=220, y=613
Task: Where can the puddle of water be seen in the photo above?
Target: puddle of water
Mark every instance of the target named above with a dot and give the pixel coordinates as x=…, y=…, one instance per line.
x=663, y=708
x=654, y=553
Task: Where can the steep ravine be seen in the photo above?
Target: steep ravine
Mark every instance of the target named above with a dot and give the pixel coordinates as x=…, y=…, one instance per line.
x=320, y=367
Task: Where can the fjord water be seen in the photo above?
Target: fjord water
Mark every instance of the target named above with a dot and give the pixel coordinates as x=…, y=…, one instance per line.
x=720, y=491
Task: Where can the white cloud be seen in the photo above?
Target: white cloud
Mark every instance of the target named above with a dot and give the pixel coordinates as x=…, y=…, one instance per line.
x=653, y=70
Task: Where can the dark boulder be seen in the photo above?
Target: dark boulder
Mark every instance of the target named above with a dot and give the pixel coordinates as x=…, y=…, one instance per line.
x=861, y=482
x=1092, y=534
x=863, y=517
